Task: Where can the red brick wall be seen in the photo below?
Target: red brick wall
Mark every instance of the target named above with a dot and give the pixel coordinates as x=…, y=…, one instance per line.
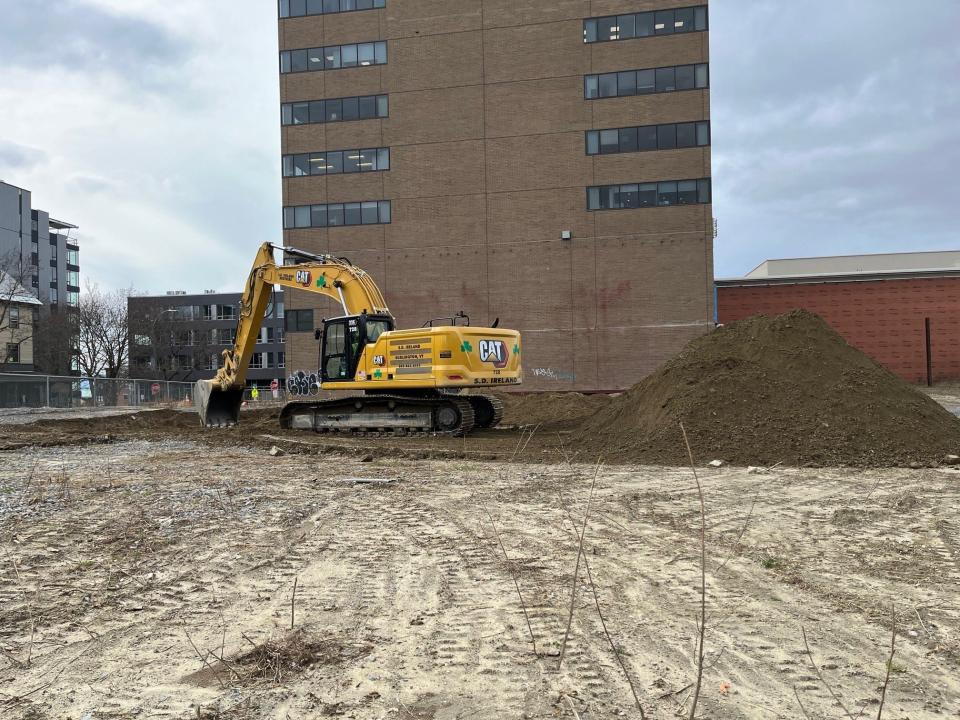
x=883, y=318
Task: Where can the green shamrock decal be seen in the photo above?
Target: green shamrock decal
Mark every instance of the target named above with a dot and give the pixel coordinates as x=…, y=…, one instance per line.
x=377, y=374
x=322, y=281
x=516, y=348
x=465, y=346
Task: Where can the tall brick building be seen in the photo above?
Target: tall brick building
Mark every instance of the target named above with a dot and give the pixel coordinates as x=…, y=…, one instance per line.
x=545, y=163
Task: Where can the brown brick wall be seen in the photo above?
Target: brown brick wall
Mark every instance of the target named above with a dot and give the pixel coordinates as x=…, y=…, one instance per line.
x=488, y=166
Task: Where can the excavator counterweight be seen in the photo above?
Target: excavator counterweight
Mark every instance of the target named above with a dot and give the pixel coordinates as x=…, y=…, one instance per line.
x=403, y=380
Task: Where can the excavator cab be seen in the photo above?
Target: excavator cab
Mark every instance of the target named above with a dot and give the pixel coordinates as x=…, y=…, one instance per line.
x=343, y=341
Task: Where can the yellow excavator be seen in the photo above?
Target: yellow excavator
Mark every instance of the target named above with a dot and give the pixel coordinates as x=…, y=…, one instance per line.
x=401, y=380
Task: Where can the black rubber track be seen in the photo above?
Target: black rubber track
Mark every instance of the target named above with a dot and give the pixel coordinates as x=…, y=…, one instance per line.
x=487, y=409
x=340, y=406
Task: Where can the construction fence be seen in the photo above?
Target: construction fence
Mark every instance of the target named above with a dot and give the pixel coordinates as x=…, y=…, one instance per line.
x=54, y=391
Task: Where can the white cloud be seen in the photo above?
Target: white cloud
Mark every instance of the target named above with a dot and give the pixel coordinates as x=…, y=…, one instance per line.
x=171, y=169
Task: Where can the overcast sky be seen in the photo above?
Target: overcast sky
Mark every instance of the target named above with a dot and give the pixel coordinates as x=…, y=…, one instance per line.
x=152, y=124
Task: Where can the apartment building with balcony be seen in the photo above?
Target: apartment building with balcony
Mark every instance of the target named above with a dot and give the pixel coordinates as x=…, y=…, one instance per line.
x=47, y=250
x=176, y=336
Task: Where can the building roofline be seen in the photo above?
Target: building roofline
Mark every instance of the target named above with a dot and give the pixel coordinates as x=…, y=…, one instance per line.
x=850, y=255
x=4, y=182
x=827, y=278
x=151, y=296
x=815, y=258
x=61, y=225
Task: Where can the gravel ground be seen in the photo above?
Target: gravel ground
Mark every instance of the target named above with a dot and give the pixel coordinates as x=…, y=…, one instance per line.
x=155, y=578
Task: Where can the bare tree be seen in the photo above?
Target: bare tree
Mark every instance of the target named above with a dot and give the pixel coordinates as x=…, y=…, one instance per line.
x=169, y=343
x=55, y=341
x=103, y=332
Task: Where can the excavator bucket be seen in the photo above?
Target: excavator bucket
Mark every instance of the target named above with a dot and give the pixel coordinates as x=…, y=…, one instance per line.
x=217, y=408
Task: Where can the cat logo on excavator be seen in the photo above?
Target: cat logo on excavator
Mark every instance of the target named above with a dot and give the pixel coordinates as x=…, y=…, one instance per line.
x=494, y=351
x=303, y=277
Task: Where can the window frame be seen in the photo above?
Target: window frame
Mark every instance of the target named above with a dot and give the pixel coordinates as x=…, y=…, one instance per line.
x=337, y=214
x=317, y=111
x=643, y=132
x=297, y=317
x=620, y=196
x=664, y=81
x=358, y=6
x=318, y=163
x=593, y=27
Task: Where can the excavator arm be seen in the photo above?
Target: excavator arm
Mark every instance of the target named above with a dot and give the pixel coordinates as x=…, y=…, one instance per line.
x=218, y=400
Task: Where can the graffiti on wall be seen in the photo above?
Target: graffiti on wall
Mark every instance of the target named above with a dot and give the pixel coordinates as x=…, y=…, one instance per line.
x=302, y=383
x=554, y=374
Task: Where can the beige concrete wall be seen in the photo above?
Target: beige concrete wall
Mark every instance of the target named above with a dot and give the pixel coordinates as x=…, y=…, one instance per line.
x=23, y=335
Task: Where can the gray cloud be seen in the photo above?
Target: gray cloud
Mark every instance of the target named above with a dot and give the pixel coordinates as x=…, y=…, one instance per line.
x=19, y=157
x=81, y=37
x=834, y=128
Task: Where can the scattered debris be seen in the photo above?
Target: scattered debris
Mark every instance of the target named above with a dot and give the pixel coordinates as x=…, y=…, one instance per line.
x=369, y=480
x=275, y=451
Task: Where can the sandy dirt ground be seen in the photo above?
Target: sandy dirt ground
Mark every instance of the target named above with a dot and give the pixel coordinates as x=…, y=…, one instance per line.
x=146, y=578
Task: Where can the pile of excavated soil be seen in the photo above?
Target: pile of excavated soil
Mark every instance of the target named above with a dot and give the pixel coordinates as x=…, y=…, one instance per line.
x=549, y=409
x=764, y=391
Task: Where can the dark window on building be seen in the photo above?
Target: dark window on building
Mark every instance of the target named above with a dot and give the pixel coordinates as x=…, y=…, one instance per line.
x=351, y=109
x=666, y=79
x=665, y=193
x=13, y=353
x=609, y=141
x=334, y=57
x=335, y=110
x=646, y=82
x=372, y=212
x=627, y=140
x=687, y=192
x=666, y=137
x=648, y=137
x=627, y=83
x=299, y=320
x=648, y=194
x=13, y=317
x=685, y=77
x=642, y=82
x=299, y=8
x=645, y=24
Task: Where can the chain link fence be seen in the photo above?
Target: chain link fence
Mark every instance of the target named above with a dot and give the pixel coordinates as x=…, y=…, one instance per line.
x=54, y=391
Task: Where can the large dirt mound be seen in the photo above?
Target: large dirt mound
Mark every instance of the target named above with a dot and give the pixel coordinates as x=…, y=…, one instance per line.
x=764, y=391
